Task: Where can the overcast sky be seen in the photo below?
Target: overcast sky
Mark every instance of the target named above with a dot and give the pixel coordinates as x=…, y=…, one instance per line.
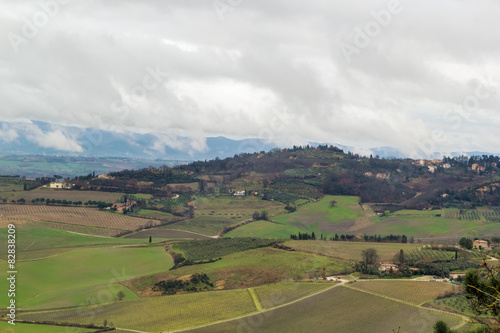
x=420, y=76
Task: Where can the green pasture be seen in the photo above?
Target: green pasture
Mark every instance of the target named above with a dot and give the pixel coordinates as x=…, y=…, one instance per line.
x=83, y=276
x=32, y=238
x=31, y=328
x=264, y=229
x=321, y=217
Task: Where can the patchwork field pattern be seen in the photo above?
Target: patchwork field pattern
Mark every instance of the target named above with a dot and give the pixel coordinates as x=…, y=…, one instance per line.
x=338, y=310
x=89, y=217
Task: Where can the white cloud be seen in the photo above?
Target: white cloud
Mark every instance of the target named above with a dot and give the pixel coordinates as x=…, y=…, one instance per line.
x=272, y=70
x=8, y=134
x=55, y=139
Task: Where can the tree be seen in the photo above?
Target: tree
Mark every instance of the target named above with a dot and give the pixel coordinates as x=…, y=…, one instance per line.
x=401, y=257
x=441, y=327
x=264, y=215
x=370, y=256
x=466, y=243
x=120, y=295
x=150, y=239
x=255, y=216
x=333, y=203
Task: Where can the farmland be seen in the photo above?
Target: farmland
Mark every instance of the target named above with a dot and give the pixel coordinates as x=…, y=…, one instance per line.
x=30, y=239
x=88, y=217
x=47, y=283
x=228, y=206
x=346, y=216
x=338, y=310
x=263, y=229
x=161, y=233
x=415, y=292
x=251, y=268
x=429, y=254
x=207, y=224
x=215, y=248
x=156, y=215
x=160, y=313
x=58, y=194
x=351, y=250
x=186, y=310
x=29, y=328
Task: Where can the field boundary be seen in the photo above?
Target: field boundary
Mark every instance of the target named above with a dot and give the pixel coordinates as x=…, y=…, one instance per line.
x=258, y=312
x=463, y=317
x=255, y=299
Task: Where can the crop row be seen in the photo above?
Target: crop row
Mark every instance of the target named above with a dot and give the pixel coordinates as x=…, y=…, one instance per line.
x=73, y=215
x=429, y=255
x=297, y=188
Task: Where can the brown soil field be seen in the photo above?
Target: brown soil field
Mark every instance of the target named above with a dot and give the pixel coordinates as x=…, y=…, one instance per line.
x=90, y=217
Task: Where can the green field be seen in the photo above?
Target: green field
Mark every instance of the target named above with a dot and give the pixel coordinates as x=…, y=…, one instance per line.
x=207, y=224
x=30, y=328
x=338, y=310
x=264, y=229
x=351, y=250
x=160, y=233
x=160, y=313
x=93, y=277
x=251, y=268
x=215, y=248
x=241, y=207
x=157, y=215
x=30, y=239
x=346, y=216
x=183, y=311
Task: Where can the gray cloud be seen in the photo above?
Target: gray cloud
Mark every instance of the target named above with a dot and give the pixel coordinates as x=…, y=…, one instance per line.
x=273, y=70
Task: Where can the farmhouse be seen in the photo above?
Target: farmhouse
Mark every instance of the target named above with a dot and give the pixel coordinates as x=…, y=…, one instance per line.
x=239, y=193
x=432, y=168
x=388, y=267
x=64, y=185
x=480, y=244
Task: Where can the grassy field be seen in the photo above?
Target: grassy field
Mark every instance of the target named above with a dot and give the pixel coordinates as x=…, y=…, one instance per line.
x=156, y=215
x=89, y=217
x=264, y=229
x=160, y=313
x=160, y=233
x=30, y=328
x=73, y=195
x=250, y=269
x=207, y=225
x=338, y=310
x=186, y=310
x=93, y=277
x=415, y=292
x=240, y=207
x=347, y=216
x=215, y=248
x=30, y=239
x=352, y=250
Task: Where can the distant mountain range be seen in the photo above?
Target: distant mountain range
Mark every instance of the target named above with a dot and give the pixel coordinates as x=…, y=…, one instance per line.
x=40, y=138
